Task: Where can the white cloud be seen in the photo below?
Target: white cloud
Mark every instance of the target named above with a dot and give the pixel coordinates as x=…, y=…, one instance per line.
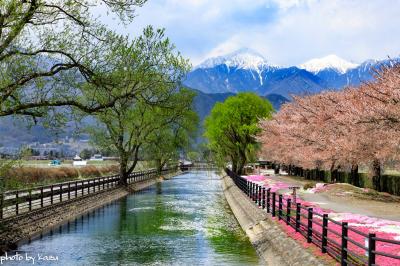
x=287, y=32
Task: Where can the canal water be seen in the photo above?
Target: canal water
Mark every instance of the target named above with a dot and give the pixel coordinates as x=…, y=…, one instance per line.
x=182, y=221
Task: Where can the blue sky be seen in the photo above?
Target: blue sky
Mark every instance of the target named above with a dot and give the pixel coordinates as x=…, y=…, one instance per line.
x=286, y=32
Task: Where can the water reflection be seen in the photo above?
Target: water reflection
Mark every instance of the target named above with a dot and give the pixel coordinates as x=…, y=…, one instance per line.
x=182, y=221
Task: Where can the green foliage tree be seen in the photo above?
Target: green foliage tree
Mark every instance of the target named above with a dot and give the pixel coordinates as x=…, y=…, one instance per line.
x=85, y=154
x=232, y=126
x=166, y=143
x=137, y=129
x=151, y=67
x=193, y=156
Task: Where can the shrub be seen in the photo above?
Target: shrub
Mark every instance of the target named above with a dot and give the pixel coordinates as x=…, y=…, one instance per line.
x=308, y=185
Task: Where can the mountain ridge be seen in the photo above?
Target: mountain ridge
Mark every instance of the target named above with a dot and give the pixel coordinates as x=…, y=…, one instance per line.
x=231, y=73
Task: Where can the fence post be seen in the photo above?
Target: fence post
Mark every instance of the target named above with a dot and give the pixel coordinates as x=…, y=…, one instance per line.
x=288, y=205
x=41, y=197
x=256, y=193
x=252, y=191
x=324, y=233
x=298, y=210
x=94, y=185
x=268, y=200
x=263, y=198
x=61, y=188
x=309, y=225
x=30, y=200
x=16, y=202
x=273, y=203
x=344, y=244
x=52, y=195
x=69, y=190
x=259, y=196
x=1, y=204
x=280, y=207
x=371, y=249
x=250, y=187
x=76, y=189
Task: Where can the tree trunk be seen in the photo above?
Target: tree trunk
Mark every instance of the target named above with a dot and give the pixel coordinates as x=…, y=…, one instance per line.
x=376, y=174
x=234, y=165
x=333, y=173
x=355, y=180
x=123, y=174
x=159, y=166
x=297, y=171
x=241, y=166
x=277, y=167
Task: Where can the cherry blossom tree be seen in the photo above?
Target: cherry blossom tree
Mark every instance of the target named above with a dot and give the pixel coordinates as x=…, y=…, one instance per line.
x=339, y=129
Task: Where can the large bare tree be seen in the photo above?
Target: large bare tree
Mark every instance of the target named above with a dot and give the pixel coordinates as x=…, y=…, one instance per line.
x=49, y=50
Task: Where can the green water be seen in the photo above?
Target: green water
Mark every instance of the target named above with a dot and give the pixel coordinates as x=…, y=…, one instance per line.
x=183, y=221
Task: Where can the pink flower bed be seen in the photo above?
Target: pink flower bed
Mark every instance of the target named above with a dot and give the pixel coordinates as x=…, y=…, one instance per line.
x=267, y=182
x=319, y=187
x=255, y=178
x=382, y=228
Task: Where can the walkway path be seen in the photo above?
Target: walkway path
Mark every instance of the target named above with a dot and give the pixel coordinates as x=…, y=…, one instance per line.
x=373, y=208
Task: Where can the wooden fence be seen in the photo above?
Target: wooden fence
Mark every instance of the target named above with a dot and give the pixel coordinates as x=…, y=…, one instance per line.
x=16, y=202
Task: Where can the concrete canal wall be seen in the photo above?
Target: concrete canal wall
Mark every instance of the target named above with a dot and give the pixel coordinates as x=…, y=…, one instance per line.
x=271, y=242
x=34, y=223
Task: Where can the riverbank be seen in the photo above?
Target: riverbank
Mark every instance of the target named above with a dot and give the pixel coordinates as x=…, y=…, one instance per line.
x=271, y=242
x=24, y=227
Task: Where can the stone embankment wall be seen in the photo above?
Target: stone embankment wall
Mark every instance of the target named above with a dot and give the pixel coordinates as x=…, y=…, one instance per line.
x=271, y=242
x=36, y=222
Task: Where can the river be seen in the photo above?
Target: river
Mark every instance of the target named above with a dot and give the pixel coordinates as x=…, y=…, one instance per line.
x=182, y=221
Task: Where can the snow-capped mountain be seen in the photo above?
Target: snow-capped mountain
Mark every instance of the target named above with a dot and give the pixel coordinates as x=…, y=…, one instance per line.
x=328, y=62
x=246, y=70
x=244, y=58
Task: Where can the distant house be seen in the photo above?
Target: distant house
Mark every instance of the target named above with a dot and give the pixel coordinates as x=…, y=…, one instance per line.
x=97, y=157
x=77, y=161
x=185, y=162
